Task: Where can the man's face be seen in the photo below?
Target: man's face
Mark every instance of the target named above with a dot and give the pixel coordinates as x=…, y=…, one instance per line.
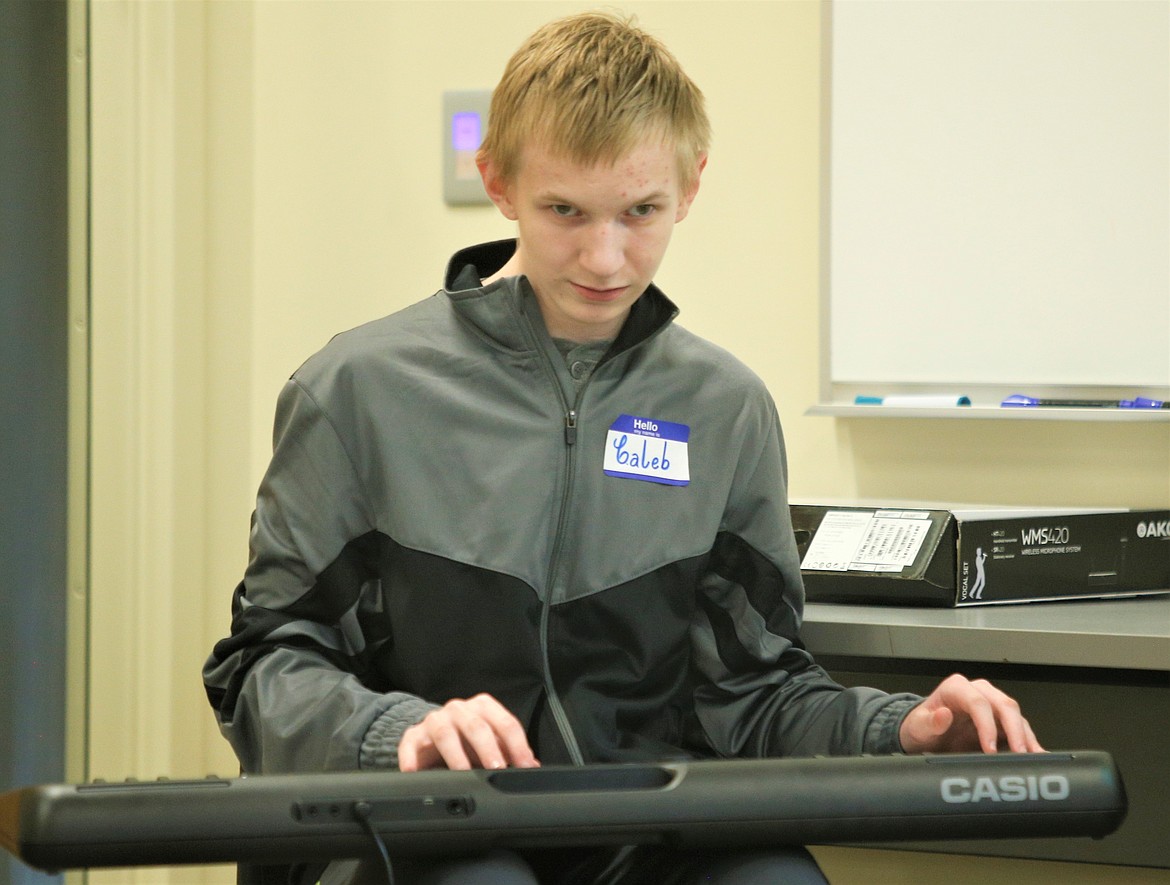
x=591, y=237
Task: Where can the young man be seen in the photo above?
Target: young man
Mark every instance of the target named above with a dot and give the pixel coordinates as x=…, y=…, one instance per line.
x=531, y=520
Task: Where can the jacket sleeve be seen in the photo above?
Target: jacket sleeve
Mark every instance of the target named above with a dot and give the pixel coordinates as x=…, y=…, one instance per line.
x=760, y=692
x=293, y=686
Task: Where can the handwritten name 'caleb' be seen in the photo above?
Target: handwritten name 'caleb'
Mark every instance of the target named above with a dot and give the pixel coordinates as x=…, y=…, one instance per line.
x=631, y=456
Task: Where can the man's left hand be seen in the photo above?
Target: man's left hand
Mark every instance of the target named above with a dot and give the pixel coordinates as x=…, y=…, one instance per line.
x=967, y=716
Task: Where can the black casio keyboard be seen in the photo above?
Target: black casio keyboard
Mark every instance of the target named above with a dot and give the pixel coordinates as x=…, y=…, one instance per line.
x=317, y=817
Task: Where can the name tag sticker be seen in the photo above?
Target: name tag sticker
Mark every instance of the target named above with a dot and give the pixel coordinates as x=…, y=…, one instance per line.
x=649, y=450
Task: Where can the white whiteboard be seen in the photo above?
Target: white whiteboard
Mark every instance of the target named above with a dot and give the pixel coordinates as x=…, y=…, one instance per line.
x=999, y=192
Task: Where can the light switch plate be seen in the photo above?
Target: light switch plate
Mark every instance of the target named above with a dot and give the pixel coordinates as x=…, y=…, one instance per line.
x=465, y=117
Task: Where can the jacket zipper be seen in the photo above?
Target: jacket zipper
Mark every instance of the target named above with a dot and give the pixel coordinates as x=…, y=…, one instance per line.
x=564, y=726
x=570, y=430
x=554, y=700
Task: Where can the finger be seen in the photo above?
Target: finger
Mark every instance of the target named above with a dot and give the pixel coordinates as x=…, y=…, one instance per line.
x=447, y=739
x=407, y=755
x=477, y=732
x=941, y=721
x=416, y=750
x=1007, y=719
x=479, y=738
x=1015, y=734
x=924, y=727
x=513, y=740
x=1027, y=741
x=1034, y=745
x=972, y=723
x=983, y=718
x=510, y=738
x=1018, y=731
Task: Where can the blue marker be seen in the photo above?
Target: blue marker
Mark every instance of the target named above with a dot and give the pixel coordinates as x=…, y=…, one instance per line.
x=1018, y=400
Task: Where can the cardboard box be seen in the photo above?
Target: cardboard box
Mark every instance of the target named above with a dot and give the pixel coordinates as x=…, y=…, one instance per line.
x=936, y=556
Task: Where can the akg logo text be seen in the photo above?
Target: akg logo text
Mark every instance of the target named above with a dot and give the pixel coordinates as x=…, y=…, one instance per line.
x=1153, y=529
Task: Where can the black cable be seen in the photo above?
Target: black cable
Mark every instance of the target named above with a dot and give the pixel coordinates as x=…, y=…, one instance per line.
x=362, y=811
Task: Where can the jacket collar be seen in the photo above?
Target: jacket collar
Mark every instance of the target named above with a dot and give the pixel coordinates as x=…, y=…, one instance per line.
x=500, y=317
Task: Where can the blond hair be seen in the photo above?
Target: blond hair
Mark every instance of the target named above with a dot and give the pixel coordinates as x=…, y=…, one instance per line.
x=592, y=87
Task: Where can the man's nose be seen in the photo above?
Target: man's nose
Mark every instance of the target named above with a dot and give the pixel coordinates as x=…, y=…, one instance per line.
x=602, y=252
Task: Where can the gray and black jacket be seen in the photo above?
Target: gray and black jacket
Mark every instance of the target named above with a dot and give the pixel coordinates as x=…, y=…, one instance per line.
x=436, y=523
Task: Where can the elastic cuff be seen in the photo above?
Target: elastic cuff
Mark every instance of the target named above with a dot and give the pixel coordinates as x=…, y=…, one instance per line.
x=380, y=745
x=882, y=737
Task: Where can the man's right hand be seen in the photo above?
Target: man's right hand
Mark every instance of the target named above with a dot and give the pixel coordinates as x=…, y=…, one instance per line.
x=478, y=732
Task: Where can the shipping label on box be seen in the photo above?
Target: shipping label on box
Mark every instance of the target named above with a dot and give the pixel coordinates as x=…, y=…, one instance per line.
x=980, y=556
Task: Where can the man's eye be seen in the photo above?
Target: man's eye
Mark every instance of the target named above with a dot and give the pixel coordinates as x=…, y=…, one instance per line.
x=642, y=210
x=563, y=211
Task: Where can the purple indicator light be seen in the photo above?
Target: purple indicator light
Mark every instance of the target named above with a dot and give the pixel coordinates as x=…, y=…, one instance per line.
x=465, y=134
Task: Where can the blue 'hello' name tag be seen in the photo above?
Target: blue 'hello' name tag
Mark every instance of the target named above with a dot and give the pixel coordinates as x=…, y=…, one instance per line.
x=649, y=450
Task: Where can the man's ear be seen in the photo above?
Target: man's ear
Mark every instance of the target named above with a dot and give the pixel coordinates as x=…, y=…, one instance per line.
x=684, y=204
x=496, y=186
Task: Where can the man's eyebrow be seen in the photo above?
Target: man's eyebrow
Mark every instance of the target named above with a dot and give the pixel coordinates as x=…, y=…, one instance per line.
x=652, y=197
x=552, y=197
x=655, y=196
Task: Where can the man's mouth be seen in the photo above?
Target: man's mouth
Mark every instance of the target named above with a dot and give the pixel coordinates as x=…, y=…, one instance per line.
x=592, y=294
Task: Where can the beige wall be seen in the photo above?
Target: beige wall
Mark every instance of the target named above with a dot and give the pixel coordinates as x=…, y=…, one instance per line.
x=266, y=174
